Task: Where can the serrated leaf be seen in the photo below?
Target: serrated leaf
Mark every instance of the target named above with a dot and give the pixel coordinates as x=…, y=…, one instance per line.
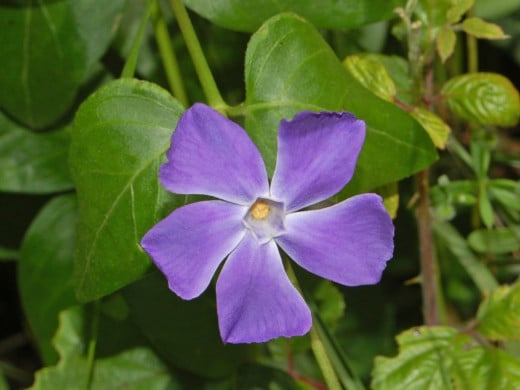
x=372, y=75
x=445, y=43
x=290, y=68
x=51, y=47
x=136, y=369
x=483, y=98
x=500, y=240
x=45, y=270
x=120, y=136
x=248, y=15
x=33, y=163
x=442, y=358
x=458, y=9
x=437, y=129
x=482, y=29
x=499, y=314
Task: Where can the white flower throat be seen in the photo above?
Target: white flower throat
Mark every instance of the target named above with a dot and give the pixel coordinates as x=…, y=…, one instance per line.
x=265, y=219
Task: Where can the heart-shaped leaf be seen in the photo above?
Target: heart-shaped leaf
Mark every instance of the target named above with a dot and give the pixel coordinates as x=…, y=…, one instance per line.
x=290, y=68
x=120, y=136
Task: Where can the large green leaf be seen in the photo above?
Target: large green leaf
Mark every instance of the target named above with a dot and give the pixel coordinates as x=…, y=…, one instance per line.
x=50, y=46
x=185, y=333
x=33, y=163
x=45, y=270
x=248, y=15
x=443, y=358
x=136, y=369
x=499, y=313
x=120, y=136
x=290, y=68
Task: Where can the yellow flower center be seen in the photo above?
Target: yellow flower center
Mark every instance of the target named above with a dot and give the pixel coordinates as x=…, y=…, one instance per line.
x=260, y=210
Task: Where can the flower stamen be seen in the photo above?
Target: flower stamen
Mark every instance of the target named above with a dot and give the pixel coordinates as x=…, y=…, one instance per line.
x=260, y=210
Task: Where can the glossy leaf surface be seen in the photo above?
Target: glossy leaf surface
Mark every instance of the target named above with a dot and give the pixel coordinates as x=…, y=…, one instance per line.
x=290, y=68
x=51, y=48
x=248, y=15
x=483, y=98
x=45, y=267
x=120, y=137
x=32, y=162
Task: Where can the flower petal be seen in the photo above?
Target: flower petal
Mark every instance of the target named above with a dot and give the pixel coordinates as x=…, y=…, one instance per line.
x=256, y=302
x=189, y=244
x=317, y=155
x=348, y=243
x=212, y=155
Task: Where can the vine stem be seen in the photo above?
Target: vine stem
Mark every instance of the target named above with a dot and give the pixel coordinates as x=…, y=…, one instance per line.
x=206, y=79
x=317, y=346
x=426, y=250
x=169, y=60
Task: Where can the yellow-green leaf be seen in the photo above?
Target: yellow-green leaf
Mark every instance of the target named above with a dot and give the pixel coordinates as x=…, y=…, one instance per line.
x=436, y=128
x=458, y=8
x=390, y=194
x=482, y=29
x=372, y=75
x=499, y=314
x=487, y=99
x=445, y=43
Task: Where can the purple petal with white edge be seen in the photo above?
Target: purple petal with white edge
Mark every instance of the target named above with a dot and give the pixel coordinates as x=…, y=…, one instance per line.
x=317, y=155
x=211, y=155
x=256, y=302
x=189, y=244
x=348, y=243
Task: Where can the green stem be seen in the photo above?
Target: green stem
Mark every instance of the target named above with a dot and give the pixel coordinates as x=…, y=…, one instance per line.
x=91, y=354
x=169, y=60
x=197, y=56
x=131, y=62
x=320, y=353
x=472, y=49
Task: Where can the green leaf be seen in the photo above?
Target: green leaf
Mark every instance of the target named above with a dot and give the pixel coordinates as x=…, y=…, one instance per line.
x=458, y=9
x=185, y=333
x=506, y=192
x=390, y=194
x=248, y=15
x=484, y=206
x=372, y=75
x=33, y=163
x=120, y=136
x=445, y=42
x=479, y=273
x=442, y=358
x=481, y=29
x=497, y=241
x=137, y=369
x=329, y=301
x=45, y=270
x=483, y=98
x=290, y=68
x=437, y=129
x=499, y=314
x=51, y=47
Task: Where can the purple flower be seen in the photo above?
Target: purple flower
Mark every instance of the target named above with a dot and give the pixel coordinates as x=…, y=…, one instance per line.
x=348, y=243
